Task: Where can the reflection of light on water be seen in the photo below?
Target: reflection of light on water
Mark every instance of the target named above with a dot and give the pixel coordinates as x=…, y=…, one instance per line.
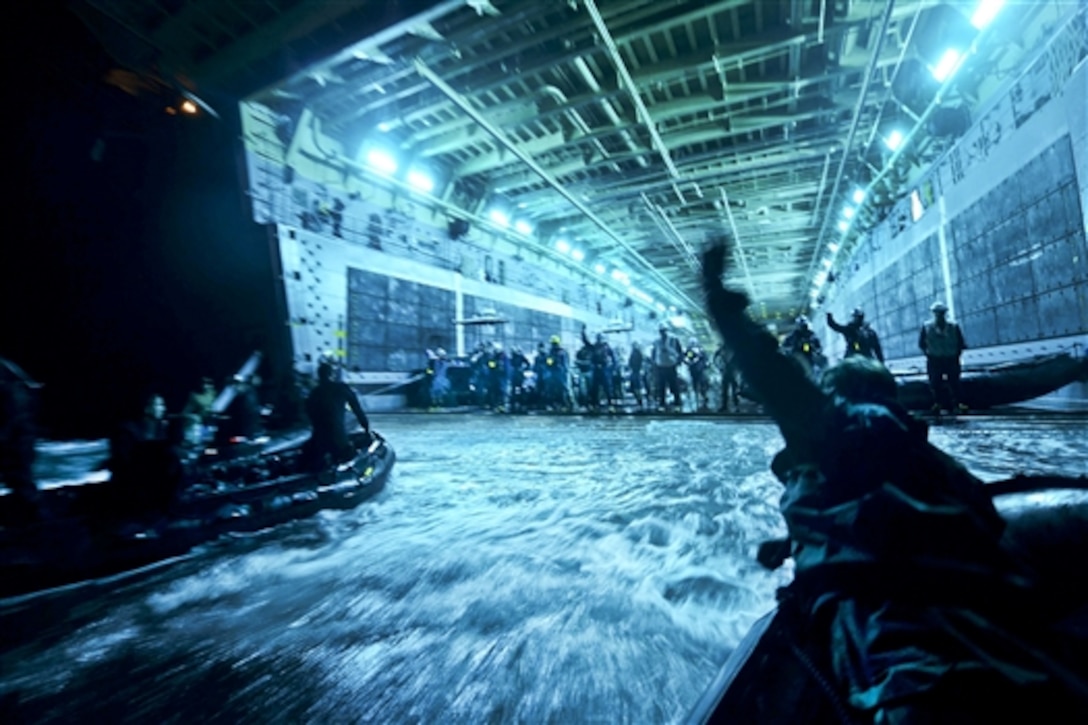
x=569, y=570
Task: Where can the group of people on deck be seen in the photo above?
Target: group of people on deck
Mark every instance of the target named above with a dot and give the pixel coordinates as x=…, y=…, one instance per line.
x=596, y=378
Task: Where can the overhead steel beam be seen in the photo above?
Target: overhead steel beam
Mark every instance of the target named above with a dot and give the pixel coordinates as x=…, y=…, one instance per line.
x=665, y=283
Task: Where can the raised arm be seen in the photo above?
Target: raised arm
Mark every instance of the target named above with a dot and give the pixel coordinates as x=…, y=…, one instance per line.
x=786, y=392
x=356, y=408
x=834, y=325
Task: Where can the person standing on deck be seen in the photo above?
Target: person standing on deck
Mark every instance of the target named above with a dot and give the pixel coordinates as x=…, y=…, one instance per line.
x=941, y=341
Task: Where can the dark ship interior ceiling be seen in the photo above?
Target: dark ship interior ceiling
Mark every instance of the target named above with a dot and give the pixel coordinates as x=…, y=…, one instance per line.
x=638, y=130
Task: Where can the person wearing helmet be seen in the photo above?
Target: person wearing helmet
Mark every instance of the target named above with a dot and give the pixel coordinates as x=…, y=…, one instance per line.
x=861, y=339
x=328, y=434
x=554, y=366
x=697, y=360
x=498, y=377
x=666, y=355
x=602, y=363
x=941, y=341
x=803, y=345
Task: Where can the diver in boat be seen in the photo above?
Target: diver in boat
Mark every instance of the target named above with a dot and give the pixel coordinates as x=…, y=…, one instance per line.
x=634, y=366
x=137, y=460
x=17, y=439
x=941, y=341
x=666, y=356
x=861, y=339
x=602, y=363
x=902, y=591
x=696, y=359
x=325, y=407
x=242, y=418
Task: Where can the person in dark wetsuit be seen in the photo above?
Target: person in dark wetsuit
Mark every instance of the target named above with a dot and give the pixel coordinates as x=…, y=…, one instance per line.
x=861, y=339
x=325, y=407
x=901, y=582
x=634, y=364
x=17, y=439
x=602, y=363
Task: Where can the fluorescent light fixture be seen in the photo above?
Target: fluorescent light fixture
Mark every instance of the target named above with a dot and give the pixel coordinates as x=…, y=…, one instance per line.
x=858, y=196
x=832, y=247
x=827, y=264
x=523, y=226
x=420, y=180
x=382, y=161
x=848, y=212
x=916, y=208
x=843, y=225
x=894, y=140
x=499, y=217
x=660, y=307
x=947, y=65
x=577, y=254
x=599, y=268
x=618, y=275
x=385, y=126
x=562, y=245
x=986, y=11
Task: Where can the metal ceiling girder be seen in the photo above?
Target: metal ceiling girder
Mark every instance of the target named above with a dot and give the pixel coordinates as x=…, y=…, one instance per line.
x=465, y=106
x=848, y=144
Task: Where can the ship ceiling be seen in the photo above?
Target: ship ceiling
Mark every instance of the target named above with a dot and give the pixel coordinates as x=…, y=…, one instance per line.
x=635, y=130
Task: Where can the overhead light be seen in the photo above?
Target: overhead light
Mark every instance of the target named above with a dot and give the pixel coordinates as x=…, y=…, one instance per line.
x=420, y=180
x=385, y=126
x=577, y=254
x=618, y=275
x=499, y=217
x=599, y=268
x=827, y=264
x=986, y=11
x=188, y=107
x=916, y=208
x=848, y=212
x=832, y=247
x=858, y=196
x=894, y=140
x=562, y=245
x=843, y=225
x=382, y=161
x=523, y=226
x=947, y=65
x=660, y=307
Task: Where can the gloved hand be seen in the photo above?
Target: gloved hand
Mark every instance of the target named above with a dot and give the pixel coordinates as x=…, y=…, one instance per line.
x=713, y=267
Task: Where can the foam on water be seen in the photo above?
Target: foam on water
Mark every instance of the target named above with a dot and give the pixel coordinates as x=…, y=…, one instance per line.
x=515, y=570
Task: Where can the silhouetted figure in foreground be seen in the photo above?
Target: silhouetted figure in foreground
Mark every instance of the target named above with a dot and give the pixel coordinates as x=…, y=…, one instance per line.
x=17, y=438
x=921, y=616
x=325, y=406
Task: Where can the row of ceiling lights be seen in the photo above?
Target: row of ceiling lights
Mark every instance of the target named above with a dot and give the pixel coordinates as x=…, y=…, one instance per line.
x=948, y=63
x=385, y=163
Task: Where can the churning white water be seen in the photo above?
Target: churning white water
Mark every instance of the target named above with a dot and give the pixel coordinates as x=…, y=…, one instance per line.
x=515, y=570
